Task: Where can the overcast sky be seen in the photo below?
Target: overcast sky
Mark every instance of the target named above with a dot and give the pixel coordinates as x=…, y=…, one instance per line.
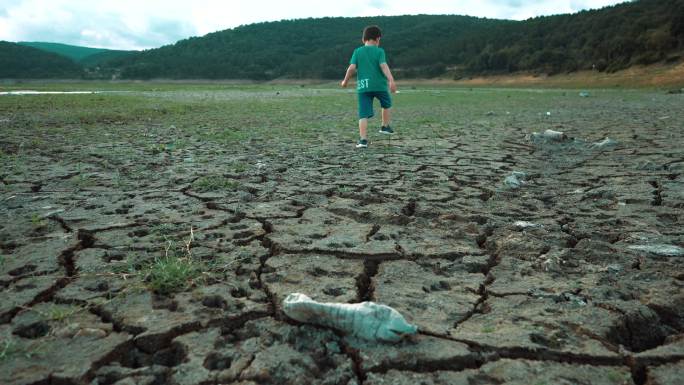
x=139, y=24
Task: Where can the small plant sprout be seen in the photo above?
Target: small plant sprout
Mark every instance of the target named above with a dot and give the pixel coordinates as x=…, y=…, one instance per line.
x=173, y=272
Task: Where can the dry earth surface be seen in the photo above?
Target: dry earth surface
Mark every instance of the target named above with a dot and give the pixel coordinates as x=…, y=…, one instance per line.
x=149, y=237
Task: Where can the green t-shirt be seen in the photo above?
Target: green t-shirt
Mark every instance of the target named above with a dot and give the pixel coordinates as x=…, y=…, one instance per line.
x=369, y=76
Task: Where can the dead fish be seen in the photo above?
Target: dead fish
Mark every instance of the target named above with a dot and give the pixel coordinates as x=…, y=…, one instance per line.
x=368, y=320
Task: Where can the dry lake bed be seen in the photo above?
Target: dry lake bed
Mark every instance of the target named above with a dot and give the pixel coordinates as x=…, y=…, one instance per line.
x=150, y=236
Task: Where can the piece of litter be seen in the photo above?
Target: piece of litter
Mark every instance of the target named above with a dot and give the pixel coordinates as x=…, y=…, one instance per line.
x=660, y=249
x=367, y=320
x=515, y=180
x=584, y=94
x=526, y=225
x=548, y=136
x=604, y=144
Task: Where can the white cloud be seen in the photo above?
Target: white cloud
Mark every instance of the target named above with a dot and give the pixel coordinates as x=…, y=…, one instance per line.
x=137, y=24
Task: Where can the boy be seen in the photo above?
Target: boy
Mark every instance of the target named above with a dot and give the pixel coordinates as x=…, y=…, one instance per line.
x=372, y=81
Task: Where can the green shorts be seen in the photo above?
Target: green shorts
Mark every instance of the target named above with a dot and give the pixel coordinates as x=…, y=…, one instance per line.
x=366, y=102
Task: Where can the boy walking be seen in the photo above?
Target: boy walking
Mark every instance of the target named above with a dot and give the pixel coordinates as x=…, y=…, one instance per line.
x=372, y=81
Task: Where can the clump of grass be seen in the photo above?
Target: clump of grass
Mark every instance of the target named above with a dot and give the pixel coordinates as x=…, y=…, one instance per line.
x=176, y=270
x=37, y=221
x=239, y=167
x=215, y=183
x=170, y=274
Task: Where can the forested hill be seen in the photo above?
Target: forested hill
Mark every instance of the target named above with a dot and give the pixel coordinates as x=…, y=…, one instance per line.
x=609, y=39
x=73, y=52
x=18, y=61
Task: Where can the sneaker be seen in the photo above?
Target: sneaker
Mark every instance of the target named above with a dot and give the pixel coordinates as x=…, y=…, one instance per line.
x=387, y=130
x=363, y=143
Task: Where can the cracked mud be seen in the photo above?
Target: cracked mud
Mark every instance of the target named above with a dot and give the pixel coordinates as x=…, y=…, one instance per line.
x=572, y=276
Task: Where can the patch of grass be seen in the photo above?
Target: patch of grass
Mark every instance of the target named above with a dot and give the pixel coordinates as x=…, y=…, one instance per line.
x=59, y=313
x=239, y=167
x=215, y=183
x=487, y=329
x=343, y=189
x=170, y=274
x=37, y=221
x=176, y=270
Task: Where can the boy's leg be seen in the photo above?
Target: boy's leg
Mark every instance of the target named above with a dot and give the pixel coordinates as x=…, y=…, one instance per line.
x=363, y=128
x=386, y=104
x=386, y=115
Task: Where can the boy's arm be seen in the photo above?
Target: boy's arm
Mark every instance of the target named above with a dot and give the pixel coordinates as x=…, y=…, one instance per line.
x=350, y=72
x=388, y=74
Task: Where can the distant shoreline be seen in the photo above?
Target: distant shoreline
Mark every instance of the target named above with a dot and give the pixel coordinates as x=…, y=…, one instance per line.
x=653, y=76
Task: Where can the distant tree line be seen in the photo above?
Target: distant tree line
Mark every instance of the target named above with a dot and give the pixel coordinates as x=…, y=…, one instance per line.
x=610, y=39
x=17, y=61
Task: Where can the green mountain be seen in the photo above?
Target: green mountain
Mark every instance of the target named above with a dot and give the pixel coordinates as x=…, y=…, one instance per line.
x=88, y=57
x=609, y=39
x=19, y=62
x=73, y=52
x=103, y=57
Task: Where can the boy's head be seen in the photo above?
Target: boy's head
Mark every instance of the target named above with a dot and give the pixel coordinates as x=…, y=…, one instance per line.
x=372, y=32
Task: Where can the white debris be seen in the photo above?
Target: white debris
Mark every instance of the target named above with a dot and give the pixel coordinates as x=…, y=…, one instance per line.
x=522, y=225
x=604, y=144
x=548, y=136
x=515, y=180
x=584, y=94
x=660, y=249
x=367, y=320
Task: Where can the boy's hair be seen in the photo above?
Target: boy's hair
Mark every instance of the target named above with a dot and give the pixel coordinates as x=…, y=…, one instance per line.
x=372, y=32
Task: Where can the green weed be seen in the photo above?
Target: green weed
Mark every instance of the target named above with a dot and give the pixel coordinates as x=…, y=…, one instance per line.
x=239, y=167
x=343, y=189
x=37, y=221
x=215, y=183
x=176, y=270
x=171, y=274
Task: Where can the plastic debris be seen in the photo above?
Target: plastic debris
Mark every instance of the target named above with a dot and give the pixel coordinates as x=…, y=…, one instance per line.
x=660, y=249
x=516, y=179
x=604, y=144
x=548, y=136
x=367, y=320
x=584, y=94
x=522, y=225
